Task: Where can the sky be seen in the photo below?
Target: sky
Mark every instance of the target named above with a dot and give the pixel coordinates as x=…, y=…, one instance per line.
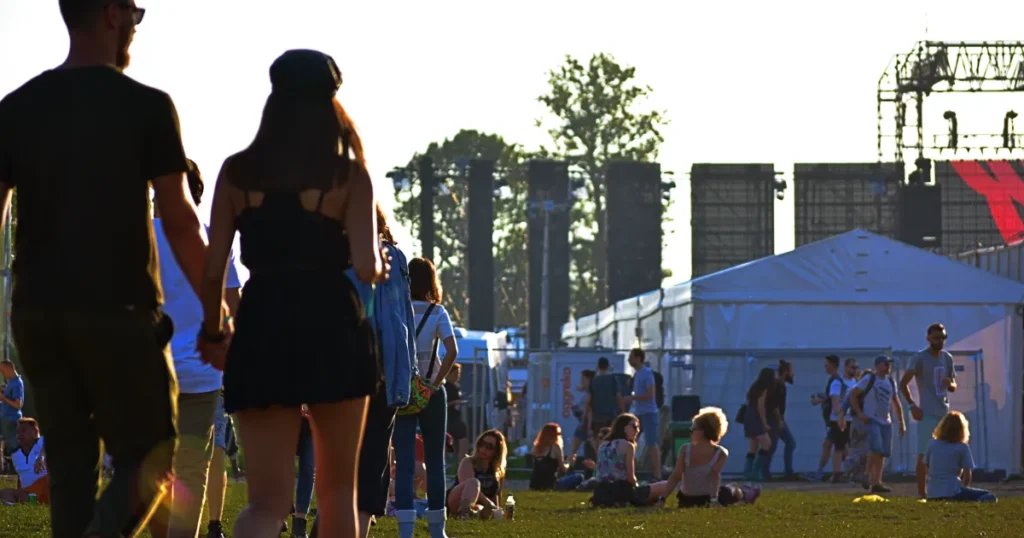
x=741, y=81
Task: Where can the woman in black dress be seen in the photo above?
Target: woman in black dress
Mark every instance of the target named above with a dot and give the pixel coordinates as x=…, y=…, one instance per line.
x=303, y=202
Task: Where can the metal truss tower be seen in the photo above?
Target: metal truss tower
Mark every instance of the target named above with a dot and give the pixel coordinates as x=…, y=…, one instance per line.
x=945, y=67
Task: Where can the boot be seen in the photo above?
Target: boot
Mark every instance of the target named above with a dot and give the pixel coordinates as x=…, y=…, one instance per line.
x=748, y=467
x=406, y=522
x=436, y=522
x=757, y=472
x=299, y=527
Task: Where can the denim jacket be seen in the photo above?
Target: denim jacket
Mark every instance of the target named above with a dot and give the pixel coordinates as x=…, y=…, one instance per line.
x=395, y=326
x=388, y=307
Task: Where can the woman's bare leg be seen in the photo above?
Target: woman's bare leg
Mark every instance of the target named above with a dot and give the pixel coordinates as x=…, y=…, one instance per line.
x=337, y=436
x=269, y=436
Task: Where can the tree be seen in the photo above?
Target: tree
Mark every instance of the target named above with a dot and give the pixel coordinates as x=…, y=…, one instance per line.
x=451, y=158
x=598, y=119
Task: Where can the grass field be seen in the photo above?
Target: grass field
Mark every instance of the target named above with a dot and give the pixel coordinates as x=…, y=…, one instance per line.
x=812, y=511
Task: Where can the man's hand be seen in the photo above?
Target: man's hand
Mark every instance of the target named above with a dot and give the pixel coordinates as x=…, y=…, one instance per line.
x=916, y=412
x=863, y=418
x=39, y=466
x=214, y=354
x=903, y=429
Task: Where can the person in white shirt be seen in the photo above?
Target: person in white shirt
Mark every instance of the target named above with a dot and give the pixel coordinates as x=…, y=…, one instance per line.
x=874, y=401
x=29, y=461
x=432, y=326
x=199, y=385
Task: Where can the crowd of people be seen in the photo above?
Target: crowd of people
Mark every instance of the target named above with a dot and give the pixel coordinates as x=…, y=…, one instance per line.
x=331, y=349
x=329, y=354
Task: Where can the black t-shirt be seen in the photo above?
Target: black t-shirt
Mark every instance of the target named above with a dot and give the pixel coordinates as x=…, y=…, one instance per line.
x=776, y=399
x=80, y=146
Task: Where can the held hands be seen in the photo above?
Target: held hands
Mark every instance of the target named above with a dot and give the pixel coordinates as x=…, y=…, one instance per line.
x=863, y=418
x=213, y=348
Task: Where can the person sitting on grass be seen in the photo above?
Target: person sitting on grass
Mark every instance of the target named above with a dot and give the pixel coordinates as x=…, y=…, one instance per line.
x=699, y=466
x=549, y=462
x=949, y=462
x=616, y=472
x=480, y=478
x=29, y=461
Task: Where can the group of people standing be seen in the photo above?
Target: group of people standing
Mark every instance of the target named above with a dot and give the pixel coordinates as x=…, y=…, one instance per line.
x=861, y=408
x=124, y=323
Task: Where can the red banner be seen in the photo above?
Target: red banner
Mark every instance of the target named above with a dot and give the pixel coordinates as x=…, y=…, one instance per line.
x=1002, y=188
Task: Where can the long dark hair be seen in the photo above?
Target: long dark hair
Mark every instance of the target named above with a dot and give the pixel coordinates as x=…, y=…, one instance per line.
x=297, y=147
x=618, y=430
x=382, y=226
x=765, y=380
x=423, y=284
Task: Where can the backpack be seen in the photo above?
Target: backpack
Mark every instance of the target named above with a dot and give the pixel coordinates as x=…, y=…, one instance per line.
x=659, y=389
x=845, y=408
x=826, y=406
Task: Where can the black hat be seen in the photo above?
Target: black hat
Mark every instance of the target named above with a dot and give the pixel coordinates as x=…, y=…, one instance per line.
x=305, y=74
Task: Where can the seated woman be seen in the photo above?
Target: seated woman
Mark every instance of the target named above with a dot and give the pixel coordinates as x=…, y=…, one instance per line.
x=480, y=478
x=616, y=473
x=699, y=466
x=549, y=462
x=949, y=462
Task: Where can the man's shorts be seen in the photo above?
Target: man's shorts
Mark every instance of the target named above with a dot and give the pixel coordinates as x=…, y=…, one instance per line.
x=879, y=438
x=649, y=428
x=220, y=425
x=837, y=436
x=925, y=427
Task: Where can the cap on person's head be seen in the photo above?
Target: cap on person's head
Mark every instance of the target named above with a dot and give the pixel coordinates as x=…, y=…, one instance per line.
x=303, y=73
x=883, y=359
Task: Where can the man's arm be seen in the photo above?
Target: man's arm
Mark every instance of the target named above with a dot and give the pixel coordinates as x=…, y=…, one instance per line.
x=13, y=402
x=855, y=401
x=897, y=409
x=951, y=378
x=181, y=226
x=649, y=393
x=905, y=385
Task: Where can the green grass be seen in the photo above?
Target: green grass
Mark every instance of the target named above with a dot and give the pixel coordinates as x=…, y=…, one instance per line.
x=777, y=514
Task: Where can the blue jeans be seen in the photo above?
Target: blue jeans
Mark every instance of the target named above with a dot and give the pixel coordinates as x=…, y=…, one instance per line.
x=307, y=470
x=879, y=438
x=649, y=428
x=787, y=454
x=972, y=495
x=433, y=423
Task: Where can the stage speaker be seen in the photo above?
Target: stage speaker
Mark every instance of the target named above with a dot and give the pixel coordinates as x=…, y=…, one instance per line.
x=920, y=215
x=481, y=245
x=548, y=180
x=633, y=223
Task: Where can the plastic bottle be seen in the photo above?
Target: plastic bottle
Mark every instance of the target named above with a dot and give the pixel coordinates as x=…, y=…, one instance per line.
x=510, y=507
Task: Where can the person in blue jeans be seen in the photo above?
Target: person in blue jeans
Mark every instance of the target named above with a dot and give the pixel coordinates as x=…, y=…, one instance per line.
x=874, y=401
x=306, y=478
x=645, y=406
x=949, y=462
x=775, y=406
x=12, y=397
x=432, y=325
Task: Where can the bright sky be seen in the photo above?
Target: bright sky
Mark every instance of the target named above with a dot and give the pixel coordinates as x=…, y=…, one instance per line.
x=743, y=81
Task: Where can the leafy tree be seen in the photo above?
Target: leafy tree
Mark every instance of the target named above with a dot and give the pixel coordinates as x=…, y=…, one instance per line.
x=451, y=158
x=597, y=118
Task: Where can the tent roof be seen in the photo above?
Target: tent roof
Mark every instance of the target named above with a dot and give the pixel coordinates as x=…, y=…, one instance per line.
x=854, y=267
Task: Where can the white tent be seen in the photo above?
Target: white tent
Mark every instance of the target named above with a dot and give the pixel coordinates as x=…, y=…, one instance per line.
x=855, y=290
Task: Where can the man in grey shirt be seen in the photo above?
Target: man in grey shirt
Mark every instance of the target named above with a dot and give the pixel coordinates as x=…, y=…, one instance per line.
x=933, y=370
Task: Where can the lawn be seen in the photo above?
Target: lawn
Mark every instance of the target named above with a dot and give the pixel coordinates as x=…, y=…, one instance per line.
x=779, y=513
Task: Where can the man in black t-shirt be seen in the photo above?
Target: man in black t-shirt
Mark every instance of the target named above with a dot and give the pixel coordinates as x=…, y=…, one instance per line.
x=775, y=407
x=82, y=145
